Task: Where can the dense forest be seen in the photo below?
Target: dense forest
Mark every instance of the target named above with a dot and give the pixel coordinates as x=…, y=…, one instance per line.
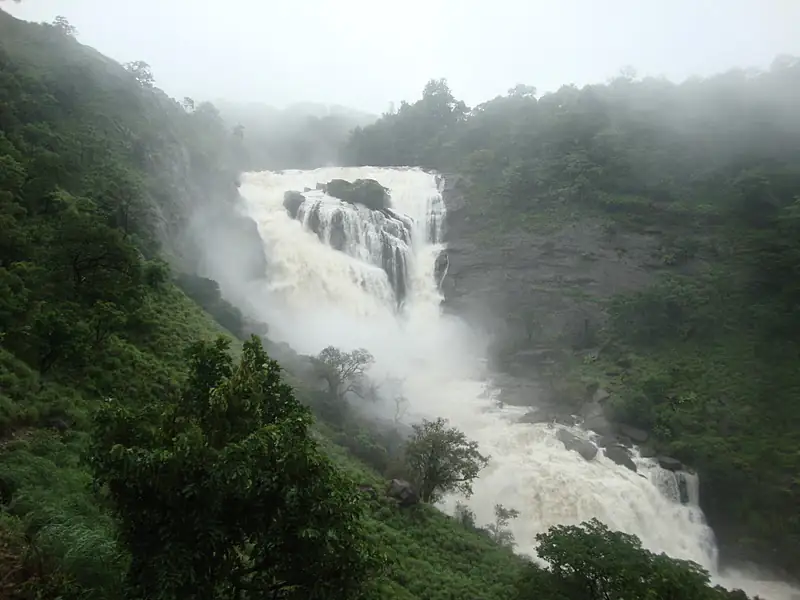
x=149, y=445
x=706, y=358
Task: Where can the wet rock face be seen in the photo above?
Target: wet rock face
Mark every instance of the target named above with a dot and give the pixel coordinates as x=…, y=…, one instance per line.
x=621, y=456
x=440, y=268
x=403, y=492
x=669, y=463
x=572, y=442
x=367, y=192
x=292, y=201
x=538, y=287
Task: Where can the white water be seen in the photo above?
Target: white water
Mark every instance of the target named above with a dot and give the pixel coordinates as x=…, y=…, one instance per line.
x=317, y=296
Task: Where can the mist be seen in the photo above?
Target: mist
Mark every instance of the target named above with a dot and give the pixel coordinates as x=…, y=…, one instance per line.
x=355, y=53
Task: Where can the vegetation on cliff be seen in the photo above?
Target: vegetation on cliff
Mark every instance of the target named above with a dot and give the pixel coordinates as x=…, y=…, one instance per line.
x=144, y=451
x=706, y=359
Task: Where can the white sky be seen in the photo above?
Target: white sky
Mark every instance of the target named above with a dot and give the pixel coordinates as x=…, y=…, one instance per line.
x=366, y=53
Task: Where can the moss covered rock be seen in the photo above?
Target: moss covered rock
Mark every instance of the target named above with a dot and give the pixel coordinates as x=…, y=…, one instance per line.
x=366, y=192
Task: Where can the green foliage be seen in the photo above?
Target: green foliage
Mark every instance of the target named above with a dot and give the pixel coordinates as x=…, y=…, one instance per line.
x=141, y=73
x=590, y=561
x=498, y=530
x=344, y=372
x=223, y=490
x=441, y=460
x=86, y=311
x=64, y=26
x=207, y=294
x=417, y=134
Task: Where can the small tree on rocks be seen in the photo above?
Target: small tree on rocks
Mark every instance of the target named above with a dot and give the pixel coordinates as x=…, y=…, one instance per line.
x=441, y=459
x=344, y=372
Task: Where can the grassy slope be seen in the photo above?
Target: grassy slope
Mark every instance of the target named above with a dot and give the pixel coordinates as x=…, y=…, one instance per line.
x=434, y=557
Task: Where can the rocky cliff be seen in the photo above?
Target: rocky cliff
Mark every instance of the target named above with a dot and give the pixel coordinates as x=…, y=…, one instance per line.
x=540, y=290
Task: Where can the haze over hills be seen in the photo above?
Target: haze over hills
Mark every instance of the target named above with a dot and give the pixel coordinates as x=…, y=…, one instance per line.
x=302, y=135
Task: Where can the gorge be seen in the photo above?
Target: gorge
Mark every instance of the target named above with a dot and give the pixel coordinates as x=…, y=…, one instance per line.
x=328, y=284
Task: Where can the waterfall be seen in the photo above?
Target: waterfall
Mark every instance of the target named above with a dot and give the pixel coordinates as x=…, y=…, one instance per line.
x=336, y=273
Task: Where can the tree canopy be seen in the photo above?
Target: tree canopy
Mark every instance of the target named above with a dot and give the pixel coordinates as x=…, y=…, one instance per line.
x=442, y=460
x=223, y=489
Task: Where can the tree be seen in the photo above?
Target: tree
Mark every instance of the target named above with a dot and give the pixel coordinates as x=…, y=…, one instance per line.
x=142, y=72
x=522, y=91
x=442, y=460
x=223, y=490
x=592, y=562
x=400, y=407
x=64, y=26
x=498, y=530
x=464, y=515
x=344, y=372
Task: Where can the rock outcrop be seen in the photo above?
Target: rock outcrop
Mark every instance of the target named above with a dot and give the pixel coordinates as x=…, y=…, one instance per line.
x=367, y=192
x=621, y=456
x=637, y=436
x=572, y=442
x=537, y=288
x=403, y=492
x=292, y=201
x=669, y=463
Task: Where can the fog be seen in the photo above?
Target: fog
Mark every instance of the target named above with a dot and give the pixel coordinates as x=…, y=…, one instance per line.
x=366, y=55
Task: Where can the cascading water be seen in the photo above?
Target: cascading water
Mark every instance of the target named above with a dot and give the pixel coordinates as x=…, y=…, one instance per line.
x=330, y=283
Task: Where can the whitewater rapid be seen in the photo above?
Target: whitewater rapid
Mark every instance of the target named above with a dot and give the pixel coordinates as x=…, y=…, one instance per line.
x=315, y=296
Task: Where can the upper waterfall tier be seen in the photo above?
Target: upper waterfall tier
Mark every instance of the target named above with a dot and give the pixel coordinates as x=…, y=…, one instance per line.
x=384, y=242
x=380, y=237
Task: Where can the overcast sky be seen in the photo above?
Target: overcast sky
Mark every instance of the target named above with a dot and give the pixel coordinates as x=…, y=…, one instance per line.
x=366, y=53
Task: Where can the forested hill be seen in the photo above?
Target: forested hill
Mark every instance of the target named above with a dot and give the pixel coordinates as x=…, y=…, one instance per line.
x=705, y=357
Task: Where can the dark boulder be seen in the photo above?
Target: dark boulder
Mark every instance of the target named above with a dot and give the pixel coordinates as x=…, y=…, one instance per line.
x=572, y=442
x=403, y=492
x=292, y=201
x=669, y=463
x=647, y=452
x=338, y=237
x=621, y=456
x=547, y=414
x=638, y=436
x=440, y=267
x=683, y=488
x=366, y=192
x=614, y=440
